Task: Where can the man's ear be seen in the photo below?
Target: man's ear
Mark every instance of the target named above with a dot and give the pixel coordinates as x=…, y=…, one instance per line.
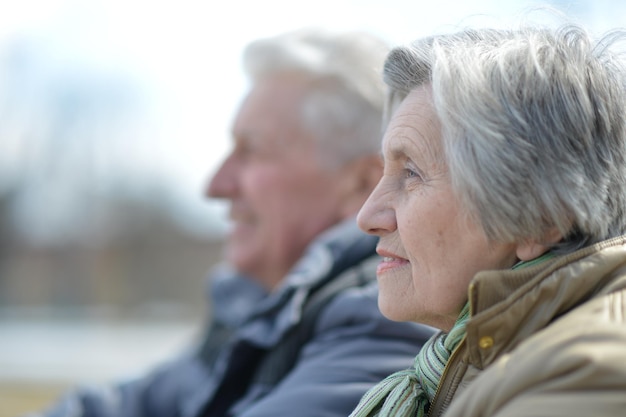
x=359, y=178
x=532, y=249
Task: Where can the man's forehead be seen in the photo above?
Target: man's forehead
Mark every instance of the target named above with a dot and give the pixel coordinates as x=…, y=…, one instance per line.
x=257, y=137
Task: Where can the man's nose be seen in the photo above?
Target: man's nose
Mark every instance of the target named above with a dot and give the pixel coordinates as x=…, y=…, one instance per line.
x=223, y=184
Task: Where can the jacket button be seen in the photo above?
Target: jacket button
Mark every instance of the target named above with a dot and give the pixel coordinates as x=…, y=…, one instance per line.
x=485, y=342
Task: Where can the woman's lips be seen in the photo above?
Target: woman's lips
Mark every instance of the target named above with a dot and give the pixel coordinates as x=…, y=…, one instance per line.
x=390, y=262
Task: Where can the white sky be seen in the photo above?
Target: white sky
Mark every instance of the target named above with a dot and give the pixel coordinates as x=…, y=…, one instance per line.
x=185, y=55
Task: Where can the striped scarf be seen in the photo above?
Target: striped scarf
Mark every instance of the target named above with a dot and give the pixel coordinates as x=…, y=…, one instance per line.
x=408, y=393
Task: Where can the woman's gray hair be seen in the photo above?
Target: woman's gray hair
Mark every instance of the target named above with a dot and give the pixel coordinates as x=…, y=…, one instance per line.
x=344, y=107
x=534, y=127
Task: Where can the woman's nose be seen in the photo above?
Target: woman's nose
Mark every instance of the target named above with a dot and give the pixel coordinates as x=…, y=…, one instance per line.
x=377, y=215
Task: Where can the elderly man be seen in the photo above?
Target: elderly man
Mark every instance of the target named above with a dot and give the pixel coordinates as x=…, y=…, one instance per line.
x=295, y=328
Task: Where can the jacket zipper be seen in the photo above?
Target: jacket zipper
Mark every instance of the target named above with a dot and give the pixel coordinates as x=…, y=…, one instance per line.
x=451, y=361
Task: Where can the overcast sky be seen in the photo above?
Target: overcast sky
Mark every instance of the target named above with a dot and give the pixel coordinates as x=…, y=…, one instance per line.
x=177, y=63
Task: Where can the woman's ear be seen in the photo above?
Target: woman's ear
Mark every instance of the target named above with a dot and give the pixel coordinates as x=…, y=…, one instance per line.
x=532, y=249
x=359, y=180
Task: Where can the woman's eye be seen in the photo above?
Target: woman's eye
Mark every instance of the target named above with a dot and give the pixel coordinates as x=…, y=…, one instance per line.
x=410, y=173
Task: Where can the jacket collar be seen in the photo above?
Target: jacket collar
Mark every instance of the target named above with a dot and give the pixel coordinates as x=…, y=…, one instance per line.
x=508, y=306
x=264, y=317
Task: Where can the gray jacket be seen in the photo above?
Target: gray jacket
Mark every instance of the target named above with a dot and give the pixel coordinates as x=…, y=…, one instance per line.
x=350, y=348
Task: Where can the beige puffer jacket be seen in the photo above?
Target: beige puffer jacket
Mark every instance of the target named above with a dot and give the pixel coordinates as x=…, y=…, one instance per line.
x=547, y=340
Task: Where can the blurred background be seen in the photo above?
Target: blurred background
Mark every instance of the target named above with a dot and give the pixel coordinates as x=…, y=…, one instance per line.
x=113, y=115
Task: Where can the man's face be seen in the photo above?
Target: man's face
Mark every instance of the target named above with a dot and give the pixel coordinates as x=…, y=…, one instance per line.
x=281, y=195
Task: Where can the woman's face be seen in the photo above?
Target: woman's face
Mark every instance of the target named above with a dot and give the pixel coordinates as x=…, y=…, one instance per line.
x=430, y=248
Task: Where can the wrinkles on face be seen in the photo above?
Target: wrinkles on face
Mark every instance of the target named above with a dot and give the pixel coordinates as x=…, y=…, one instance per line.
x=431, y=248
x=281, y=197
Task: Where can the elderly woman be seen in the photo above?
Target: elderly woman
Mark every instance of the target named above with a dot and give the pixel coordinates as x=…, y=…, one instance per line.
x=500, y=216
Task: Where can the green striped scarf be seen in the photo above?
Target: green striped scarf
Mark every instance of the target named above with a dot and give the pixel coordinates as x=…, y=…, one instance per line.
x=408, y=393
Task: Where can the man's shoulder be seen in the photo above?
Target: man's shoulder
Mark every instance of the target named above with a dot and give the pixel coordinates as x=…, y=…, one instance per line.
x=354, y=308
x=357, y=308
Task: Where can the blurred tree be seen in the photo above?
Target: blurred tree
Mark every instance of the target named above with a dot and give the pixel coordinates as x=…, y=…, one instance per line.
x=84, y=224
